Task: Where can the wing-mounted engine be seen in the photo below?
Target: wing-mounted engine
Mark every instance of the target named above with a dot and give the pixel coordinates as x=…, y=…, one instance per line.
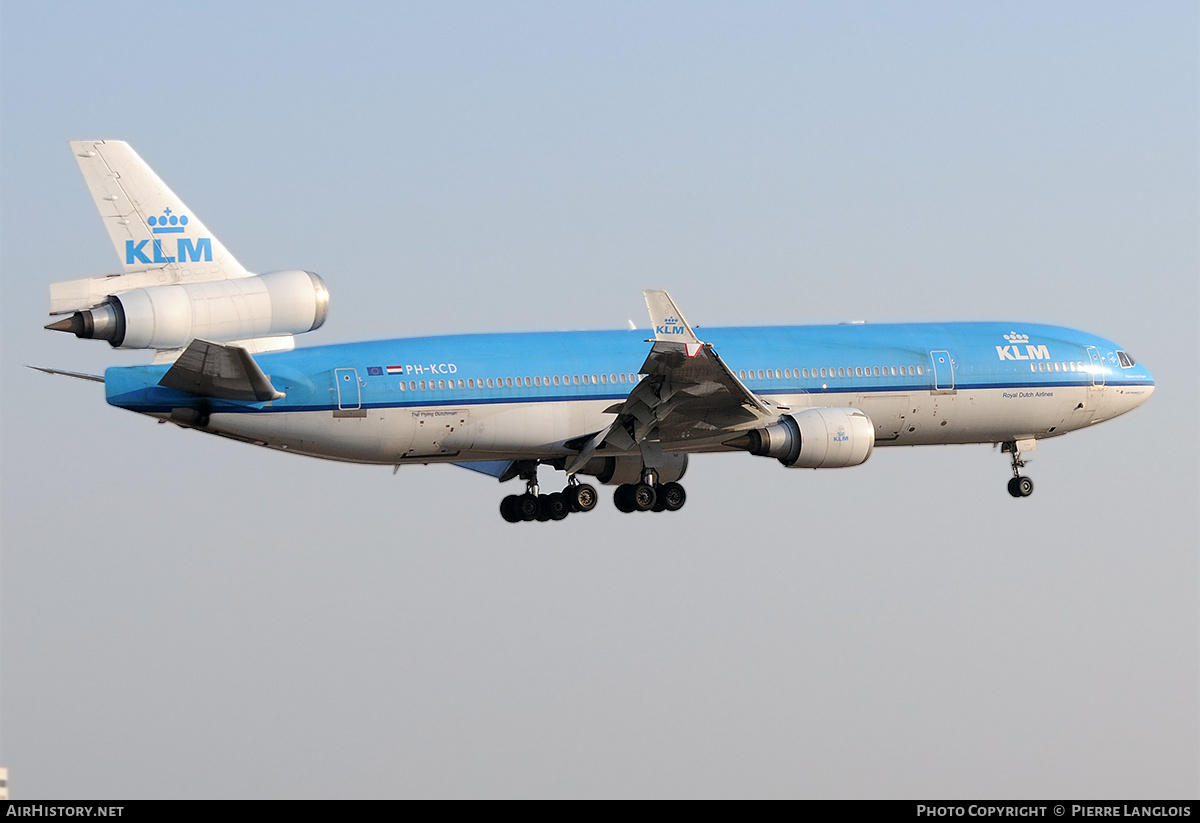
x=821, y=438
x=269, y=305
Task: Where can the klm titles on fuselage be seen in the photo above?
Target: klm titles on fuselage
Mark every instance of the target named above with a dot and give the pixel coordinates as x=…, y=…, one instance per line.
x=185, y=249
x=1013, y=351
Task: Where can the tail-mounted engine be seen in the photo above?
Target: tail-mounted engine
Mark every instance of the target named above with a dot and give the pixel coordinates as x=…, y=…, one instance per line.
x=823, y=438
x=169, y=317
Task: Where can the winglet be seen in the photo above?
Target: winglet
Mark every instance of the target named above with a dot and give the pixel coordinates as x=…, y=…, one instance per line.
x=668, y=323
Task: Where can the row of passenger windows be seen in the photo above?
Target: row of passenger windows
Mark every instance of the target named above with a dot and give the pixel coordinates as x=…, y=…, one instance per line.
x=856, y=371
x=1043, y=366
x=518, y=382
x=744, y=374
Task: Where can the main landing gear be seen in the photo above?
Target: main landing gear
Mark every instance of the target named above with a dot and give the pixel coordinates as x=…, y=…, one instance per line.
x=576, y=497
x=1018, y=486
x=646, y=496
x=649, y=495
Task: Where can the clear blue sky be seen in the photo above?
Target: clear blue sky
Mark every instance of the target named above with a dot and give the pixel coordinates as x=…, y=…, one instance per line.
x=184, y=616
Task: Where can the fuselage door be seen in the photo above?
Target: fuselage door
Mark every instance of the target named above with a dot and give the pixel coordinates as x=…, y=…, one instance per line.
x=349, y=396
x=943, y=371
x=1097, y=368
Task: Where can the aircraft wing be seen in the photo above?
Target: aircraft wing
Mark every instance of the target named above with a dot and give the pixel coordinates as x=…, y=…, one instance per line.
x=225, y=372
x=688, y=394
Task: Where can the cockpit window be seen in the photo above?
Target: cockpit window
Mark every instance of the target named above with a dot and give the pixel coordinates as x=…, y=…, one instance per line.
x=1126, y=360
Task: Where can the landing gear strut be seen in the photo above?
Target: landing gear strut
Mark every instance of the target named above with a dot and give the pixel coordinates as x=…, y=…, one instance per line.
x=518, y=508
x=1018, y=486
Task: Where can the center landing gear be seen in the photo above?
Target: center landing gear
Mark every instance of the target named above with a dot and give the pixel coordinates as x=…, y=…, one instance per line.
x=649, y=495
x=576, y=497
x=1018, y=486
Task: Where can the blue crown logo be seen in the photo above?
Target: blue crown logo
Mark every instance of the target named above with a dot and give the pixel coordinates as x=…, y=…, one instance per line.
x=671, y=321
x=168, y=223
x=1013, y=337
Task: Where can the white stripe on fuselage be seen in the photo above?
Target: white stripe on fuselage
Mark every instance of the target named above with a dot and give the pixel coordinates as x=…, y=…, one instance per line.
x=528, y=431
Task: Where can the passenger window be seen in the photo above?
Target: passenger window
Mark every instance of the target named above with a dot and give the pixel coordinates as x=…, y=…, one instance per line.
x=441, y=384
x=742, y=374
x=422, y=385
x=604, y=378
x=822, y=372
x=508, y=382
x=920, y=370
x=778, y=374
x=402, y=386
x=760, y=374
x=841, y=372
x=622, y=376
x=858, y=372
x=575, y=379
x=595, y=382
x=787, y=373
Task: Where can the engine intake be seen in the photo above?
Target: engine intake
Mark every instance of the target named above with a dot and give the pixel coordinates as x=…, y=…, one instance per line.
x=170, y=317
x=824, y=438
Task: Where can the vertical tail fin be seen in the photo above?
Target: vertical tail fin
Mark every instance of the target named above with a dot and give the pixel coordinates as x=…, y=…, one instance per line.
x=157, y=238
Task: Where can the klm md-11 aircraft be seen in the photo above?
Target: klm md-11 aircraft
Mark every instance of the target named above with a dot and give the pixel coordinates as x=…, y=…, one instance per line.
x=610, y=405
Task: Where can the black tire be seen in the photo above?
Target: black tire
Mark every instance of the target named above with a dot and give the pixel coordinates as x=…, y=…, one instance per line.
x=559, y=506
x=1024, y=486
x=623, y=498
x=1012, y=487
x=643, y=497
x=672, y=496
x=527, y=505
x=510, y=509
x=583, y=498
x=543, y=513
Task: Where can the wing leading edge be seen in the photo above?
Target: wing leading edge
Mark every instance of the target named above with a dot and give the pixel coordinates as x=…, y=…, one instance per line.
x=688, y=395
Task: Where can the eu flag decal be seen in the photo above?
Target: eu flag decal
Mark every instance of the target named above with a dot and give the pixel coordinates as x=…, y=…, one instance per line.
x=375, y=371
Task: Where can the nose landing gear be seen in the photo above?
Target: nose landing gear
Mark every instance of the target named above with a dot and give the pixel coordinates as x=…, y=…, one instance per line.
x=1018, y=486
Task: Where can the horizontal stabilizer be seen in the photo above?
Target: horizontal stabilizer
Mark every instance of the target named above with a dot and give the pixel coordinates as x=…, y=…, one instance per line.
x=95, y=378
x=224, y=372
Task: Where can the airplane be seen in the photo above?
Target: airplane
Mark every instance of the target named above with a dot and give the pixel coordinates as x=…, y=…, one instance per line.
x=610, y=405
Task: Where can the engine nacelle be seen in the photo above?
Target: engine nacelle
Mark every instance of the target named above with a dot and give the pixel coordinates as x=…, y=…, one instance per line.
x=613, y=471
x=822, y=438
x=170, y=317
